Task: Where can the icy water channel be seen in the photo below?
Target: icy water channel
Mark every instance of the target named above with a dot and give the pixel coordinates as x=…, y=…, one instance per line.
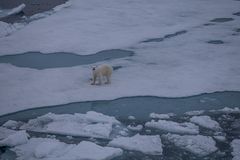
x=39, y=60
x=140, y=108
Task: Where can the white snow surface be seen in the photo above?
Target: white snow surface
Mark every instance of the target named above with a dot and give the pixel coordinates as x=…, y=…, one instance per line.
x=8, y=12
x=179, y=66
x=174, y=127
x=207, y=122
x=143, y=143
x=45, y=149
x=196, y=144
x=236, y=149
x=12, y=138
x=91, y=124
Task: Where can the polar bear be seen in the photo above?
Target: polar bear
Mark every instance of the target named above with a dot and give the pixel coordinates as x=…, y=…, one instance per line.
x=101, y=72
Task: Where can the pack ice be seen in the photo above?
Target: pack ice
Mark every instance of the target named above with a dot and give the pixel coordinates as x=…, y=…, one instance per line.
x=174, y=127
x=46, y=148
x=91, y=124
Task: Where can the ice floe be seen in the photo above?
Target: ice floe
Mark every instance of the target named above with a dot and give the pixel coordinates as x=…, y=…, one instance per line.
x=207, y=122
x=196, y=144
x=11, y=124
x=220, y=138
x=8, y=12
x=45, y=149
x=147, y=144
x=131, y=118
x=91, y=124
x=12, y=138
x=236, y=149
x=194, y=113
x=161, y=116
x=135, y=128
x=174, y=127
x=227, y=110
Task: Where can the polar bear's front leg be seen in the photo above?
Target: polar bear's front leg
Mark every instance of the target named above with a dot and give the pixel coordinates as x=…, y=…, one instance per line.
x=94, y=80
x=108, y=80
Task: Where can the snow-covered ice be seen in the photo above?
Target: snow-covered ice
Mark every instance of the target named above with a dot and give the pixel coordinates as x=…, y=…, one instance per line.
x=196, y=144
x=220, y=138
x=191, y=67
x=147, y=144
x=91, y=124
x=135, y=128
x=12, y=138
x=160, y=116
x=227, y=110
x=236, y=149
x=11, y=124
x=8, y=12
x=45, y=149
x=194, y=113
x=131, y=118
x=5, y=132
x=174, y=127
x=207, y=122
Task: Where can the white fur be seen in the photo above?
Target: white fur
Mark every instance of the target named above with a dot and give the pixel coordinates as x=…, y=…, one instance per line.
x=102, y=72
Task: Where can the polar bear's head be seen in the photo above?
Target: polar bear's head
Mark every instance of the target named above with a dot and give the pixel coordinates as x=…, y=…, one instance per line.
x=94, y=68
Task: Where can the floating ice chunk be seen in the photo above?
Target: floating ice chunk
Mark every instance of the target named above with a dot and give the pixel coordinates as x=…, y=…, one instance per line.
x=131, y=118
x=15, y=138
x=174, y=127
x=220, y=138
x=91, y=124
x=236, y=149
x=6, y=29
x=135, y=128
x=147, y=144
x=99, y=117
x=11, y=124
x=207, y=122
x=4, y=132
x=45, y=149
x=8, y=12
x=47, y=13
x=227, y=110
x=160, y=116
x=194, y=113
x=197, y=144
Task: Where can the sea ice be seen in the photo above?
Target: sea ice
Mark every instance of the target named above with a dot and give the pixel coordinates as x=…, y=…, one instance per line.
x=45, y=149
x=174, y=127
x=12, y=124
x=131, y=118
x=5, y=132
x=8, y=12
x=12, y=138
x=135, y=128
x=147, y=144
x=160, y=116
x=207, y=122
x=194, y=113
x=91, y=124
x=236, y=149
x=197, y=144
x=227, y=110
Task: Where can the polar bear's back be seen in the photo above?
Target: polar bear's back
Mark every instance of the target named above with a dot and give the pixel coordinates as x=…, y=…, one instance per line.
x=106, y=70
